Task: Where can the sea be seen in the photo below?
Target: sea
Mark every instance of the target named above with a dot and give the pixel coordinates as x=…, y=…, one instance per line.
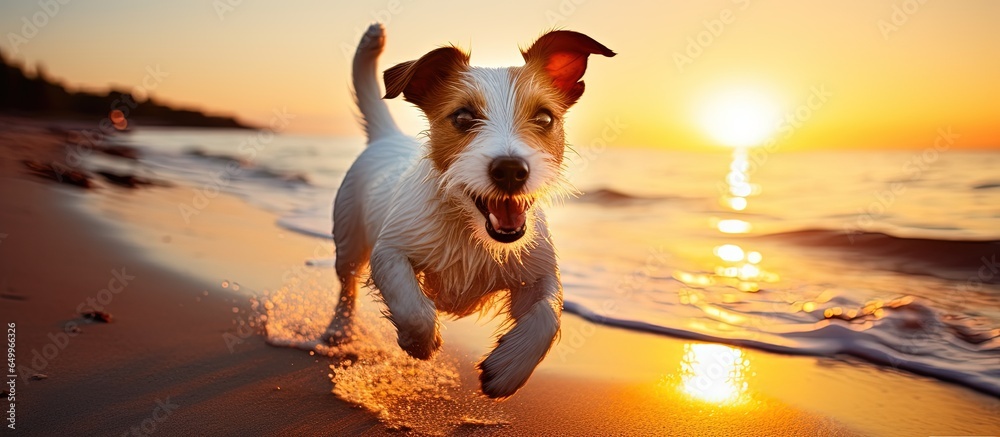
x=883, y=257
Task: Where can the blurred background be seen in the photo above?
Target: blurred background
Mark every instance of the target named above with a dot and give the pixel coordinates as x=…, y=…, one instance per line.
x=812, y=178
x=895, y=70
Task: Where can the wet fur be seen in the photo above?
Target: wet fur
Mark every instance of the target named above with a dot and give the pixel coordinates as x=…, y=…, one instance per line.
x=405, y=213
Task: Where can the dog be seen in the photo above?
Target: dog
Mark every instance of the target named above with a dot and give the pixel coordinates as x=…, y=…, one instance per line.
x=453, y=224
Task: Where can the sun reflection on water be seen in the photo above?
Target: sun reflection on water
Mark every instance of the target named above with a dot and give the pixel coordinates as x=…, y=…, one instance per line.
x=733, y=265
x=733, y=226
x=736, y=262
x=714, y=373
x=738, y=186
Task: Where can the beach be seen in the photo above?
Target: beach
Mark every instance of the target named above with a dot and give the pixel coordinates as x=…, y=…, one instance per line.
x=187, y=352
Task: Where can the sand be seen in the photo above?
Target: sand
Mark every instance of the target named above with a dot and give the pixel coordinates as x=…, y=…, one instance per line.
x=177, y=358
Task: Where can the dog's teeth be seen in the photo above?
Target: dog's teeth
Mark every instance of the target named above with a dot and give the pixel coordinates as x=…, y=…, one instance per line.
x=494, y=222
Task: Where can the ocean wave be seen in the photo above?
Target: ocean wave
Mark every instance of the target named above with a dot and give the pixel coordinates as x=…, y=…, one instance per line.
x=219, y=157
x=986, y=186
x=251, y=168
x=911, y=337
x=613, y=196
x=950, y=259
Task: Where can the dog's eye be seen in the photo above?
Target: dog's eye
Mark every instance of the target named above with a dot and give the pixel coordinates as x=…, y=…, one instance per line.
x=463, y=119
x=543, y=118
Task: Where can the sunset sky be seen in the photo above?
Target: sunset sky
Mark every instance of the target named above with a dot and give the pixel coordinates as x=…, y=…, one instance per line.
x=886, y=74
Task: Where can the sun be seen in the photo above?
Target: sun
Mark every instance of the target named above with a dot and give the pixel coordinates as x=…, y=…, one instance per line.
x=739, y=117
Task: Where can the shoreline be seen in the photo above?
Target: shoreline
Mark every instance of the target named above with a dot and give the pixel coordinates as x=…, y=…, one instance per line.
x=165, y=346
x=168, y=340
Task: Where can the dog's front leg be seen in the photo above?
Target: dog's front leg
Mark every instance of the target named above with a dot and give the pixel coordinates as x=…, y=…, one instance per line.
x=413, y=314
x=535, y=310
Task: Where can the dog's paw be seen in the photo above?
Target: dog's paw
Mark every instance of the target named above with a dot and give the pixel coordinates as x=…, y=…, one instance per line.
x=373, y=40
x=420, y=343
x=507, y=368
x=342, y=330
x=504, y=372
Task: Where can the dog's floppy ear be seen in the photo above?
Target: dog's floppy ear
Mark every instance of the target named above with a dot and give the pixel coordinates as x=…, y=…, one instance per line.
x=562, y=55
x=418, y=80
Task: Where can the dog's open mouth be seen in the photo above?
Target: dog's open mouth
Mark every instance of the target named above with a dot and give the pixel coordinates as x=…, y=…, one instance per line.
x=506, y=217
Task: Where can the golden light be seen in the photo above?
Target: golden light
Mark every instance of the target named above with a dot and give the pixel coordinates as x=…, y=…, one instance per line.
x=738, y=182
x=737, y=203
x=692, y=279
x=733, y=226
x=741, y=189
x=739, y=117
x=714, y=373
x=749, y=271
x=729, y=252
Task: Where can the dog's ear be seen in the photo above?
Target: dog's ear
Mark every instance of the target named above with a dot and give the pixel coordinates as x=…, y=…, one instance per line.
x=562, y=55
x=418, y=80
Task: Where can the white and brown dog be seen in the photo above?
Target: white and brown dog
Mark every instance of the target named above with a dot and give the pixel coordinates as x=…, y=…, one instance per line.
x=453, y=224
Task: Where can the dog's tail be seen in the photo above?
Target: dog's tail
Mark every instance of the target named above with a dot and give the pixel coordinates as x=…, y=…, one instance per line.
x=375, y=115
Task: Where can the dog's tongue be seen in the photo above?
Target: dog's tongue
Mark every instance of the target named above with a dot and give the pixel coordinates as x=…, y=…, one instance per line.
x=509, y=214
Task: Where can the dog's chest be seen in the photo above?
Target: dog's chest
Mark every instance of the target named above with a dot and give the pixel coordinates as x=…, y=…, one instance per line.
x=462, y=289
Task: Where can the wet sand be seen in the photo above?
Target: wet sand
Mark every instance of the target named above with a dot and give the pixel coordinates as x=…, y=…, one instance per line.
x=178, y=358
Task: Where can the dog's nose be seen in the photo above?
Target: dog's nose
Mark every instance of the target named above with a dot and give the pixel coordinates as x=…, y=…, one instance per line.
x=509, y=173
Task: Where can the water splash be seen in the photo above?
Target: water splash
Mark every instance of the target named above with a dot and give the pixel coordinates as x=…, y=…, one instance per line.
x=372, y=372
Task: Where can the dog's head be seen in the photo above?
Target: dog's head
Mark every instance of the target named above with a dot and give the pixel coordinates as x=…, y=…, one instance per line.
x=496, y=134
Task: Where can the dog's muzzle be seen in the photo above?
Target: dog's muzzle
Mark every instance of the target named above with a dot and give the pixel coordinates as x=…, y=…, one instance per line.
x=506, y=216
